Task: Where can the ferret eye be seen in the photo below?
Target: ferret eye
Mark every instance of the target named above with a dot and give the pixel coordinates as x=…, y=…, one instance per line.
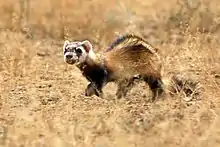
x=78, y=50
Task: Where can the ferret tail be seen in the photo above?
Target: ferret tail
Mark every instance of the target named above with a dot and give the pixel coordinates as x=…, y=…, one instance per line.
x=178, y=83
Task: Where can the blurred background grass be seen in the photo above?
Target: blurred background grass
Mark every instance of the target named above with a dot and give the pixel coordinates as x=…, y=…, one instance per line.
x=102, y=20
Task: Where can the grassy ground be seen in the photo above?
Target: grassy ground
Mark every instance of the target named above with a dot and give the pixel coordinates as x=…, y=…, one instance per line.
x=41, y=98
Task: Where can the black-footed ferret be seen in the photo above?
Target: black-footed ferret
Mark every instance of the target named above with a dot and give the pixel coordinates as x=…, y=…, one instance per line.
x=128, y=58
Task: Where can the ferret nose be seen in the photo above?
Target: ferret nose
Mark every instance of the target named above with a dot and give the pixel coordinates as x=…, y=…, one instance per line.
x=69, y=56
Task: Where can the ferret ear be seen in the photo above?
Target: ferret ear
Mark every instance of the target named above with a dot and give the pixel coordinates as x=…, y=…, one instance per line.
x=87, y=45
x=66, y=42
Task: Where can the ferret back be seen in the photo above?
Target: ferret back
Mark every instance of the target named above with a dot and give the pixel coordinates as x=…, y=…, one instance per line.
x=129, y=40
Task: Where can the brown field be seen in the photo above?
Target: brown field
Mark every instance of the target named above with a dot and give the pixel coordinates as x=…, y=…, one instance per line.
x=42, y=102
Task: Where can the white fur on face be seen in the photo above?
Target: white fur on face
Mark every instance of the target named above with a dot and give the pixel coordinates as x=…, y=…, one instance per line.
x=70, y=56
x=77, y=51
x=92, y=55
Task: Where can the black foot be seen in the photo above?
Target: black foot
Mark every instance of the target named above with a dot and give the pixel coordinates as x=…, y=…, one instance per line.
x=92, y=90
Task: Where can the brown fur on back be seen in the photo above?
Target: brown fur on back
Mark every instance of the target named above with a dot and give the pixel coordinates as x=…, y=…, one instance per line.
x=130, y=55
x=130, y=40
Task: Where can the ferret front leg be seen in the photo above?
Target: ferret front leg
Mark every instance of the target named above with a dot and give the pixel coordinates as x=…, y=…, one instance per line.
x=93, y=90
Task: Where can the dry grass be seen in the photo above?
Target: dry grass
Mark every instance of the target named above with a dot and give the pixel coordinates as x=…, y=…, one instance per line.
x=41, y=97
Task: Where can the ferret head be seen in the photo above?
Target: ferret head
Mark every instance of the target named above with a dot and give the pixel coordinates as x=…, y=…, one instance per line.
x=77, y=52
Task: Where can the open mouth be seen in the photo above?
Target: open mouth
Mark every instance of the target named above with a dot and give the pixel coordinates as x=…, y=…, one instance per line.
x=70, y=61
